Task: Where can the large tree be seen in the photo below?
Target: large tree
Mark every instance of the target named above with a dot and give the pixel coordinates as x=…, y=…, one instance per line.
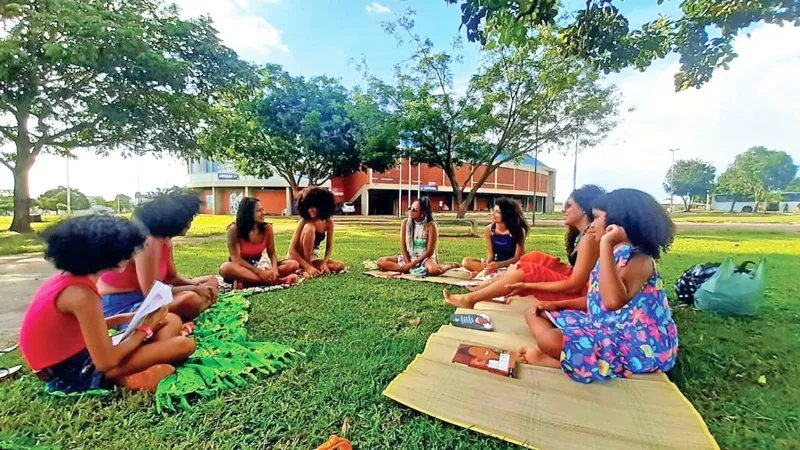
x=794, y=186
x=125, y=75
x=702, y=34
x=520, y=101
x=690, y=178
x=758, y=172
x=56, y=200
x=304, y=130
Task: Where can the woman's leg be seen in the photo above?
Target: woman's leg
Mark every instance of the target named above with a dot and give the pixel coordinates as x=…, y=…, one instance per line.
x=307, y=242
x=335, y=266
x=435, y=269
x=188, y=305
x=549, y=342
x=496, y=289
x=473, y=264
x=168, y=351
x=389, y=264
x=287, y=267
x=235, y=272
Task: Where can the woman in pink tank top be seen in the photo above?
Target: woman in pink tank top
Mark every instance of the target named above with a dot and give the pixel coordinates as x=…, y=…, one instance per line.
x=248, y=238
x=163, y=218
x=64, y=336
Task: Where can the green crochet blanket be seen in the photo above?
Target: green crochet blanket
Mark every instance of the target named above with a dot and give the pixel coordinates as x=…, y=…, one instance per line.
x=224, y=358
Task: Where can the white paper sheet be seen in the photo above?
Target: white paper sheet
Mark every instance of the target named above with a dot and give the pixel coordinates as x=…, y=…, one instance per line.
x=160, y=295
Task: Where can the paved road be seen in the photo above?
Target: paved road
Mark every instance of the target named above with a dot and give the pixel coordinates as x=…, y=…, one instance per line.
x=21, y=275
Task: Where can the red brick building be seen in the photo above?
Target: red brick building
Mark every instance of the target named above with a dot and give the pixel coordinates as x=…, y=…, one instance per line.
x=386, y=193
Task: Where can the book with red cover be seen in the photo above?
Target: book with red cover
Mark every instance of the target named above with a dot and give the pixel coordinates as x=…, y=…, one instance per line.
x=488, y=359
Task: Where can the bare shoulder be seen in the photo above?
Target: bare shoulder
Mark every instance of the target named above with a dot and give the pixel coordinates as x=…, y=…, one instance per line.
x=75, y=298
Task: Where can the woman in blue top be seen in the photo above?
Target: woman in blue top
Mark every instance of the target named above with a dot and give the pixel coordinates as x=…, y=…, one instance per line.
x=505, y=238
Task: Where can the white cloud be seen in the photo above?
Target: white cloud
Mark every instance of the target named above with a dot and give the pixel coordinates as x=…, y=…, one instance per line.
x=377, y=8
x=239, y=25
x=753, y=103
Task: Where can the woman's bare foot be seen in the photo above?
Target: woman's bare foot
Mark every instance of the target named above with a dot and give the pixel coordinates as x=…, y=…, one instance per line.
x=148, y=379
x=528, y=354
x=289, y=279
x=455, y=300
x=187, y=328
x=536, y=357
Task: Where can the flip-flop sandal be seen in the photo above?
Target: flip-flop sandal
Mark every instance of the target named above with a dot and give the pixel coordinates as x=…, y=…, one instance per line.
x=9, y=349
x=6, y=373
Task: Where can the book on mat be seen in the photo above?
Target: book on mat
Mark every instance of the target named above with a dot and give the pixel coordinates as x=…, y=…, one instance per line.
x=160, y=295
x=480, y=322
x=488, y=359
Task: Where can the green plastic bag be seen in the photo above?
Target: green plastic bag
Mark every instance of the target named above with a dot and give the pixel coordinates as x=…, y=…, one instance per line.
x=732, y=290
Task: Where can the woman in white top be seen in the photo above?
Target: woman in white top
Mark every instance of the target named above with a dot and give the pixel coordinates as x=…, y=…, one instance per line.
x=418, y=238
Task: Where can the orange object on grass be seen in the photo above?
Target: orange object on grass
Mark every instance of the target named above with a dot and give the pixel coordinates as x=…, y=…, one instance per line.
x=336, y=443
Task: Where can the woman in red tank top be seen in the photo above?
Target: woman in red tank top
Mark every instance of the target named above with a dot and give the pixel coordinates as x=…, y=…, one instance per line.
x=544, y=276
x=248, y=238
x=164, y=218
x=64, y=336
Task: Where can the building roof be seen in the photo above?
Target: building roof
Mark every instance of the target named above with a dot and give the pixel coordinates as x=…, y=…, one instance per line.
x=531, y=161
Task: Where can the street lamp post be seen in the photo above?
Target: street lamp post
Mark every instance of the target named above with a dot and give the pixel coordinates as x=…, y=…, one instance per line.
x=672, y=182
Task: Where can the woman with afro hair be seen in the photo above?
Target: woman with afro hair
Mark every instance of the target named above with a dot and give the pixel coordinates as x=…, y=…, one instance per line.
x=64, y=336
x=162, y=218
x=624, y=325
x=315, y=206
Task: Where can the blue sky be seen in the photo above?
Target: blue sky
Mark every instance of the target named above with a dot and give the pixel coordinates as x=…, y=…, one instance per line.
x=754, y=103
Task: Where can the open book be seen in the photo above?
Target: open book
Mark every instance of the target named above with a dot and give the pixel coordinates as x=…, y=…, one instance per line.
x=160, y=295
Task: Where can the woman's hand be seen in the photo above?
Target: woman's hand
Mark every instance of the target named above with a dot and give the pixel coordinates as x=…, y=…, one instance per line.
x=491, y=267
x=156, y=319
x=267, y=276
x=323, y=269
x=520, y=289
x=406, y=268
x=313, y=272
x=614, y=235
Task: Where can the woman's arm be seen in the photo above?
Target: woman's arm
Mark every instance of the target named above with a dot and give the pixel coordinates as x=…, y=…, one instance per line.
x=578, y=303
x=619, y=285
x=273, y=257
x=119, y=319
x=235, y=252
x=147, y=264
x=403, y=243
x=328, y=241
x=295, y=252
x=433, y=237
x=87, y=307
x=587, y=258
x=487, y=236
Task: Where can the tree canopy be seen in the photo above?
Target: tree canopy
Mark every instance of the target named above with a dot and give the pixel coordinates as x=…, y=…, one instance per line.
x=56, y=200
x=757, y=172
x=520, y=100
x=689, y=179
x=304, y=130
x=127, y=75
x=601, y=33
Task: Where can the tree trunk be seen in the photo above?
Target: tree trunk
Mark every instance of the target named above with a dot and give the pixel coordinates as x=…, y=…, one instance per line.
x=685, y=204
x=462, y=206
x=733, y=205
x=22, y=202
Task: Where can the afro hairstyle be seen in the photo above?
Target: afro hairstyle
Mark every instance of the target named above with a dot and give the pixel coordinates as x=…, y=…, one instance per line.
x=645, y=222
x=167, y=215
x=316, y=197
x=89, y=244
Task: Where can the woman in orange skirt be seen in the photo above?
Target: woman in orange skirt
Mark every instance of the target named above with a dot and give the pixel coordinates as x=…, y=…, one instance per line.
x=544, y=276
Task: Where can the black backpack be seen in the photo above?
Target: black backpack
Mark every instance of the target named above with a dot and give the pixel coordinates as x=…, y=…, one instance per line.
x=692, y=279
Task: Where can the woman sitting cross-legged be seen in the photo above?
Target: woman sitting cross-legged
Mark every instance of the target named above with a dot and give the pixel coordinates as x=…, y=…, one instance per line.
x=624, y=325
x=163, y=218
x=505, y=238
x=315, y=206
x=248, y=238
x=64, y=336
x=418, y=238
x=542, y=275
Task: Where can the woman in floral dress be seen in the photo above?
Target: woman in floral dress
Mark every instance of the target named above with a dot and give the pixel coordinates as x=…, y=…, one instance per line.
x=623, y=326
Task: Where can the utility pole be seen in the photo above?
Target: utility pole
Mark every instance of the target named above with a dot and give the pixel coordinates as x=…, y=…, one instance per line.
x=672, y=182
x=69, y=191
x=536, y=173
x=575, y=166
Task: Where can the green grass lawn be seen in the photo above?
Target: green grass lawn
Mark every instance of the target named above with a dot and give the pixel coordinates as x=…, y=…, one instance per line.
x=355, y=331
